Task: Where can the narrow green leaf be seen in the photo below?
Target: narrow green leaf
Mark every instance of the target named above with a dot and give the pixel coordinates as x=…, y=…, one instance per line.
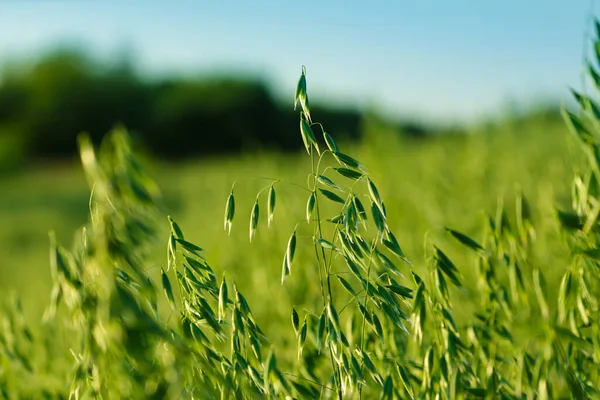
x=320, y=331
x=331, y=145
x=338, y=219
x=327, y=182
x=441, y=286
x=334, y=318
x=288, y=258
x=310, y=206
x=586, y=103
x=198, y=335
x=565, y=293
x=594, y=75
x=229, y=212
x=184, y=282
x=374, y=194
x=222, y=299
x=404, y=378
x=539, y=287
x=254, y=220
x=175, y=228
x=191, y=247
x=366, y=247
x=300, y=89
x=351, y=219
x=402, y=291
x=347, y=285
x=378, y=218
x=308, y=135
x=360, y=209
x=171, y=249
x=349, y=173
x=356, y=368
x=345, y=365
x=581, y=99
x=291, y=248
x=387, y=263
x=255, y=344
x=301, y=95
x=388, y=388
x=326, y=244
x=568, y=335
x=166, y=284
x=386, y=296
x=395, y=315
x=579, y=128
x=447, y=266
x=237, y=321
x=270, y=367
x=368, y=363
x=285, y=269
x=241, y=300
x=393, y=246
x=377, y=325
x=365, y=313
x=345, y=159
x=302, y=337
x=271, y=204
x=295, y=320
x=354, y=268
x=417, y=279
x=305, y=391
x=349, y=246
x=467, y=241
x=448, y=317
x=332, y=196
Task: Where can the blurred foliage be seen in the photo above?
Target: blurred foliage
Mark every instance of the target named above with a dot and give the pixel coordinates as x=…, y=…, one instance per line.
x=45, y=103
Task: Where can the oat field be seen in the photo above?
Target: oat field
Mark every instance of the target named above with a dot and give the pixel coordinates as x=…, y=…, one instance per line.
x=460, y=266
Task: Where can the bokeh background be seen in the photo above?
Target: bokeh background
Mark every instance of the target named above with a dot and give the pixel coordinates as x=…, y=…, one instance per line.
x=452, y=105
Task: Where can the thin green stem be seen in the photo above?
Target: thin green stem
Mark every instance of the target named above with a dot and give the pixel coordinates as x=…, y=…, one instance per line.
x=320, y=276
x=362, y=333
x=321, y=159
x=336, y=372
x=310, y=380
x=280, y=181
x=351, y=301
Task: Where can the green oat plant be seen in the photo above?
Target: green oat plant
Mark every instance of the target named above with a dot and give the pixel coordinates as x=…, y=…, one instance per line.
x=356, y=252
x=394, y=335
x=384, y=328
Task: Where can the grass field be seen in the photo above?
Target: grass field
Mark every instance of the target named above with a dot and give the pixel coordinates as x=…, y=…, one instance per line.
x=430, y=184
x=427, y=184
x=459, y=264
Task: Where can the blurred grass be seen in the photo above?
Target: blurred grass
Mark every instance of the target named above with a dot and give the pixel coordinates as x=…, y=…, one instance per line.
x=451, y=180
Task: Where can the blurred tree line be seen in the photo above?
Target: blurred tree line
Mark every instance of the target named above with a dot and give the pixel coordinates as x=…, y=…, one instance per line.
x=46, y=103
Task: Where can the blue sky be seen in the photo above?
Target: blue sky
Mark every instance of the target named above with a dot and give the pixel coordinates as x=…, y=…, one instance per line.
x=447, y=60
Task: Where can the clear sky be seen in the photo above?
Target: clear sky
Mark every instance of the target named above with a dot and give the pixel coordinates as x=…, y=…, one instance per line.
x=440, y=59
